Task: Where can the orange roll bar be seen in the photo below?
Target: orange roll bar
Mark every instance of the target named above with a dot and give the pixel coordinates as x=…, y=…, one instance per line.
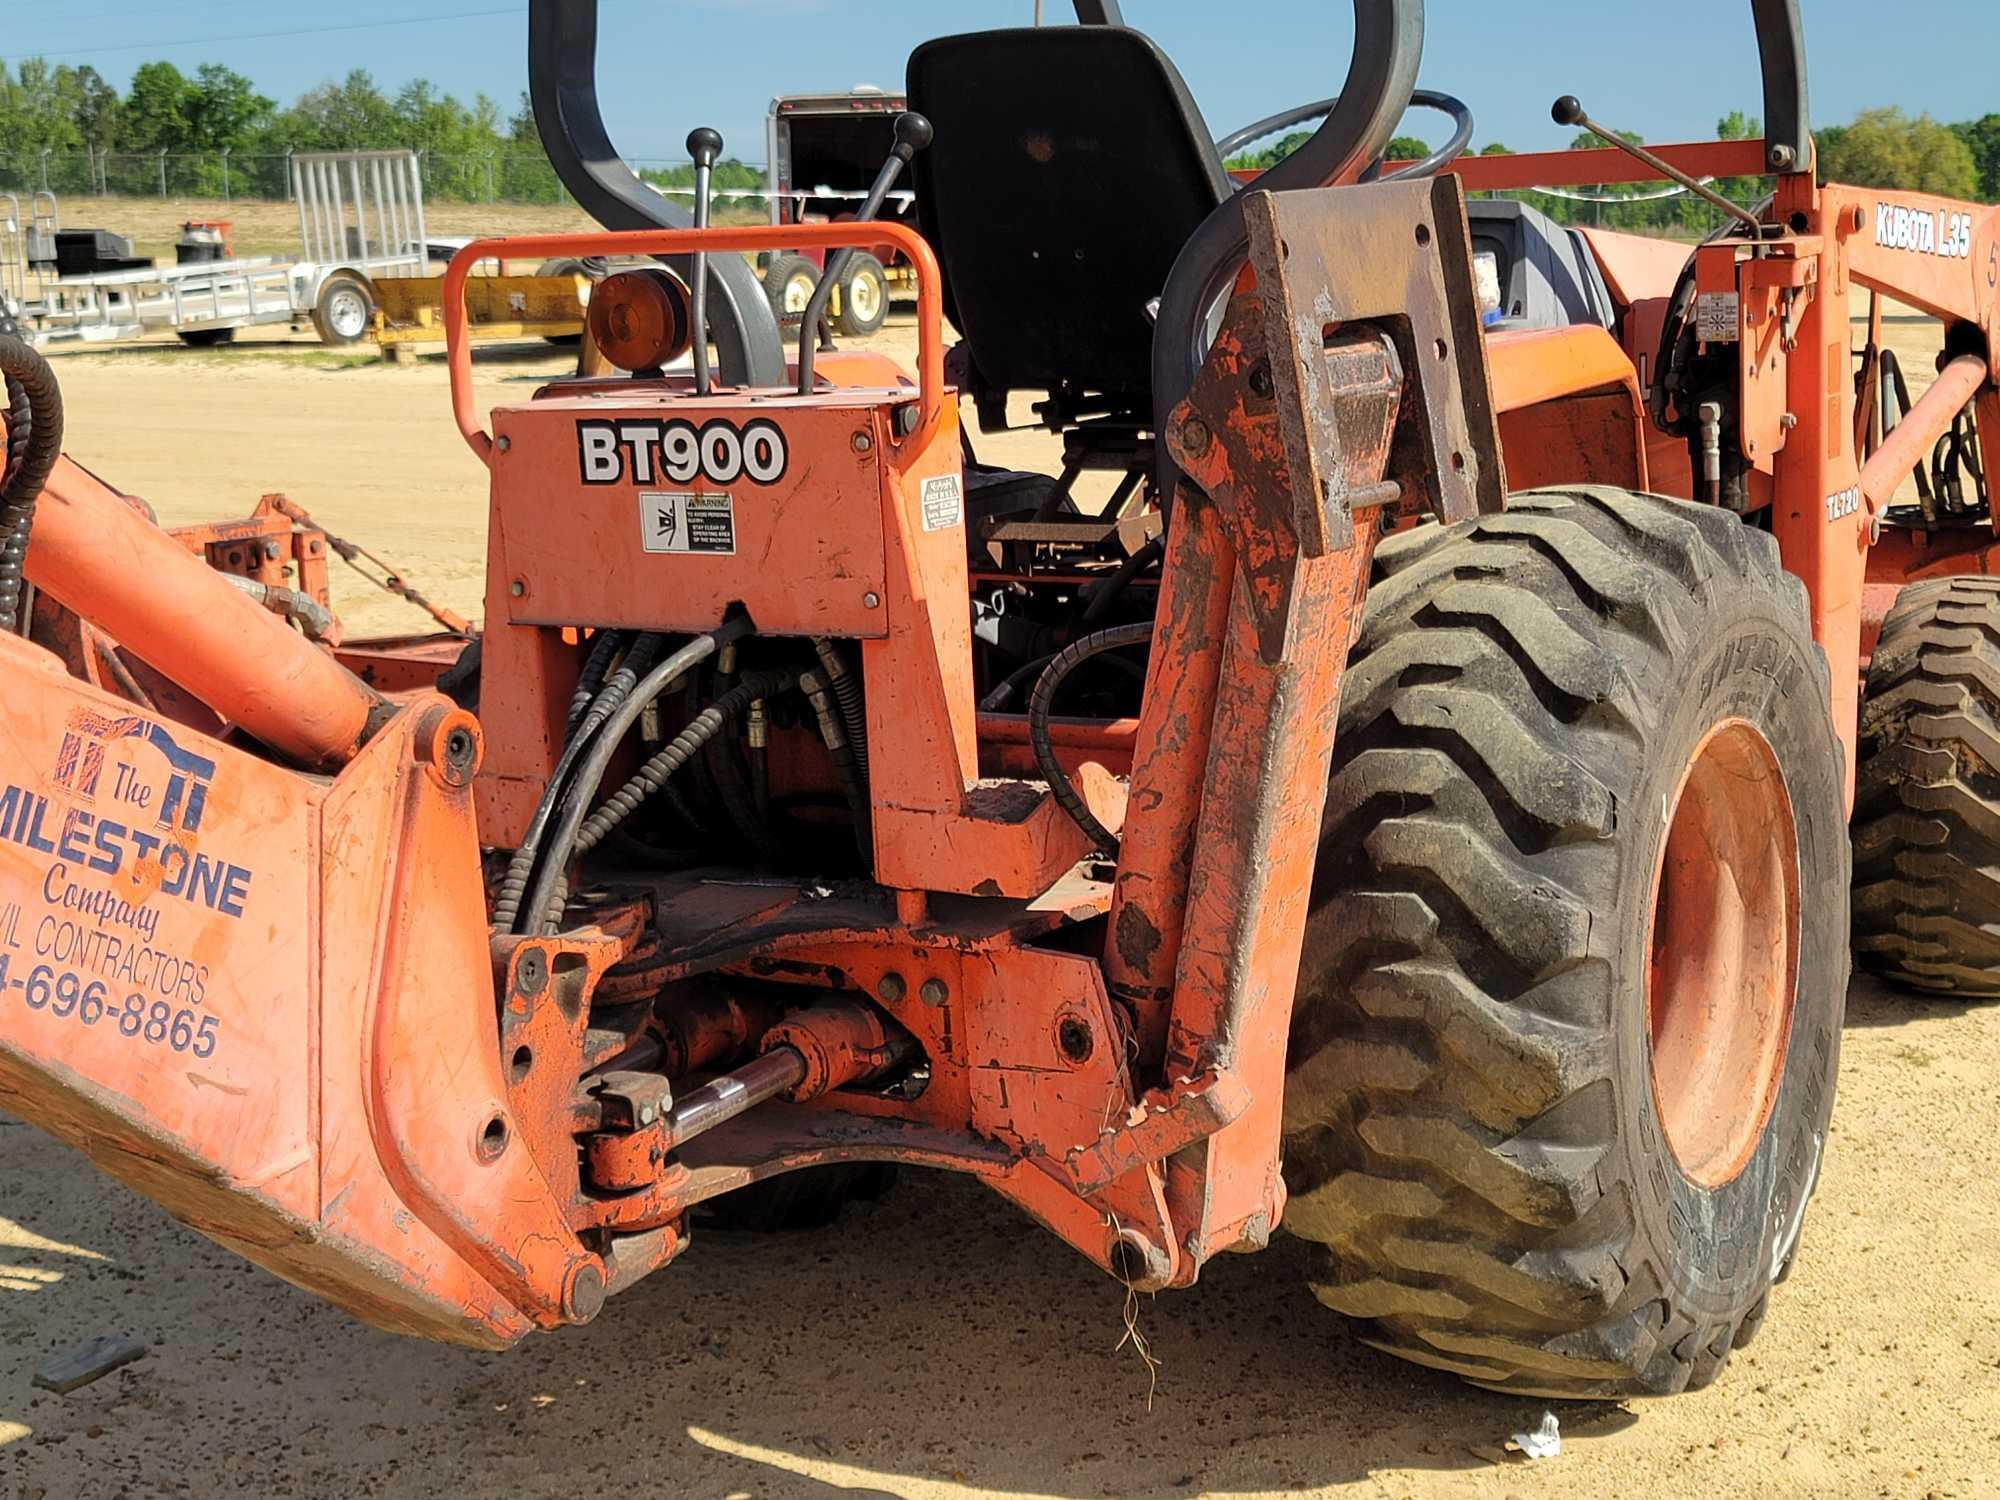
x=848, y=236
x=99, y=557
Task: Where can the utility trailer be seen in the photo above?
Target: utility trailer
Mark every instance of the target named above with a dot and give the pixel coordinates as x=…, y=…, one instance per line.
x=27, y=248
x=823, y=149
x=361, y=222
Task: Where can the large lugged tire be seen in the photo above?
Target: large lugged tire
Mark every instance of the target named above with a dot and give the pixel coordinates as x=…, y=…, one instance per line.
x=1569, y=1010
x=1927, y=793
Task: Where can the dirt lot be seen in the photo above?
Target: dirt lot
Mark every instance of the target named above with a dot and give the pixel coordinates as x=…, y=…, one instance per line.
x=934, y=1343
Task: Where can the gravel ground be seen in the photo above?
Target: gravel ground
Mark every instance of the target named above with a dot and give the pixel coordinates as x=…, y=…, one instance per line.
x=934, y=1343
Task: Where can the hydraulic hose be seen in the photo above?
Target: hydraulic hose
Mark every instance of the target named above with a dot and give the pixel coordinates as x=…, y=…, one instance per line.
x=34, y=441
x=852, y=786
x=603, y=650
x=1042, y=702
x=595, y=759
x=607, y=701
x=847, y=693
x=660, y=768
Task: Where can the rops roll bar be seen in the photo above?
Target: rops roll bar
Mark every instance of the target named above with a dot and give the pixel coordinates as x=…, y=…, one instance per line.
x=562, y=84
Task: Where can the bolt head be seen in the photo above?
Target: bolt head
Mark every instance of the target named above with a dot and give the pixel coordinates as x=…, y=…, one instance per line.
x=503, y=443
x=872, y=599
x=892, y=987
x=934, y=991
x=1195, y=436
x=863, y=442
x=518, y=588
x=531, y=973
x=1783, y=156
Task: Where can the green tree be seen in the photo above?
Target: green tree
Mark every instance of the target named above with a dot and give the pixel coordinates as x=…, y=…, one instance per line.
x=223, y=110
x=1270, y=156
x=34, y=115
x=1748, y=191
x=155, y=113
x=1886, y=148
x=351, y=115
x=96, y=107
x=1982, y=139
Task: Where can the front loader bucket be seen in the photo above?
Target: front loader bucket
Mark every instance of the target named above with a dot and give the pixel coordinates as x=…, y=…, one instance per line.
x=266, y=1001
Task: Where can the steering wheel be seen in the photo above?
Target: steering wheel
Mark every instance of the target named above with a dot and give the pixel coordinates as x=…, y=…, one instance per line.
x=1461, y=136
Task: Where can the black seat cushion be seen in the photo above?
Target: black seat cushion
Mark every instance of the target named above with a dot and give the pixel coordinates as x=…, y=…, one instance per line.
x=1069, y=168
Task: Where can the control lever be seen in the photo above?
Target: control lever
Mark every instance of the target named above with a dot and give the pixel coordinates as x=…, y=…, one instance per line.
x=913, y=133
x=1569, y=111
x=704, y=145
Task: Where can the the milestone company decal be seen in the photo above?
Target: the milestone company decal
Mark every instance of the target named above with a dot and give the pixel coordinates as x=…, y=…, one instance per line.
x=103, y=936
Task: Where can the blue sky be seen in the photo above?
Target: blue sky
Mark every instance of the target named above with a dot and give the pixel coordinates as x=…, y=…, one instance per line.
x=1667, y=70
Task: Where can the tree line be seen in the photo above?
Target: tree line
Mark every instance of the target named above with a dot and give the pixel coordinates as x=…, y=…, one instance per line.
x=210, y=133
x=1878, y=148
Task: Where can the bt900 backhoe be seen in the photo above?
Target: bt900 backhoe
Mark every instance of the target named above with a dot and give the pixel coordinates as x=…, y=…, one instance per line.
x=1385, y=816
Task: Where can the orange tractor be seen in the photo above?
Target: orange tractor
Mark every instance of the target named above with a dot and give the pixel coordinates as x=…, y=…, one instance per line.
x=1382, y=814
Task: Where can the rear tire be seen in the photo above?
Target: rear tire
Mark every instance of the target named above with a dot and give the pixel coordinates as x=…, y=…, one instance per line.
x=1927, y=795
x=1577, y=742
x=344, y=310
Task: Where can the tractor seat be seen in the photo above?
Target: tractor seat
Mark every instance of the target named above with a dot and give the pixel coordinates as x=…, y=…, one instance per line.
x=1069, y=168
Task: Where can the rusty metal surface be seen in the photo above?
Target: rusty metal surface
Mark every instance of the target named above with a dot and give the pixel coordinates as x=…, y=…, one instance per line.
x=1399, y=253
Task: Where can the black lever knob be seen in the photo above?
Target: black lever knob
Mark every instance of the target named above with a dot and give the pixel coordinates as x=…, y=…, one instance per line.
x=1568, y=110
x=704, y=146
x=913, y=134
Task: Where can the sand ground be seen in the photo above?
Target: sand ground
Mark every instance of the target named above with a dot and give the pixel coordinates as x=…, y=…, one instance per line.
x=935, y=1343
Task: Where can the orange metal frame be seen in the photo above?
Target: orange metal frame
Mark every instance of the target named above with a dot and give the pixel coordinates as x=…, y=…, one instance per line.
x=272, y=928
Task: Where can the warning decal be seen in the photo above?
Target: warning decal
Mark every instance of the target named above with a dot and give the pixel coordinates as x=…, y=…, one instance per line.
x=687, y=522
x=944, y=503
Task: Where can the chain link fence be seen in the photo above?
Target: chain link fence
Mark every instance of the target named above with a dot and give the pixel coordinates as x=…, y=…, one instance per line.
x=482, y=177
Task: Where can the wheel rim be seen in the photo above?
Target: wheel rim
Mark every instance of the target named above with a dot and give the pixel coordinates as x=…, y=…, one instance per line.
x=864, y=298
x=1723, y=945
x=347, y=312
x=798, y=295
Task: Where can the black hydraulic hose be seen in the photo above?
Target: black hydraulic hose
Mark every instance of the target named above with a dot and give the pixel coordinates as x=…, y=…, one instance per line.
x=514, y=884
x=847, y=693
x=660, y=768
x=1042, y=702
x=859, y=808
x=655, y=775
x=1106, y=593
x=1002, y=694
x=732, y=783
x=595, y=759
x=18, y=599
x=595, y=666
x=34, y=441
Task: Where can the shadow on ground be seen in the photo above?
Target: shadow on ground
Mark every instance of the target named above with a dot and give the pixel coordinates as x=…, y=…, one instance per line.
x=936, y=1337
